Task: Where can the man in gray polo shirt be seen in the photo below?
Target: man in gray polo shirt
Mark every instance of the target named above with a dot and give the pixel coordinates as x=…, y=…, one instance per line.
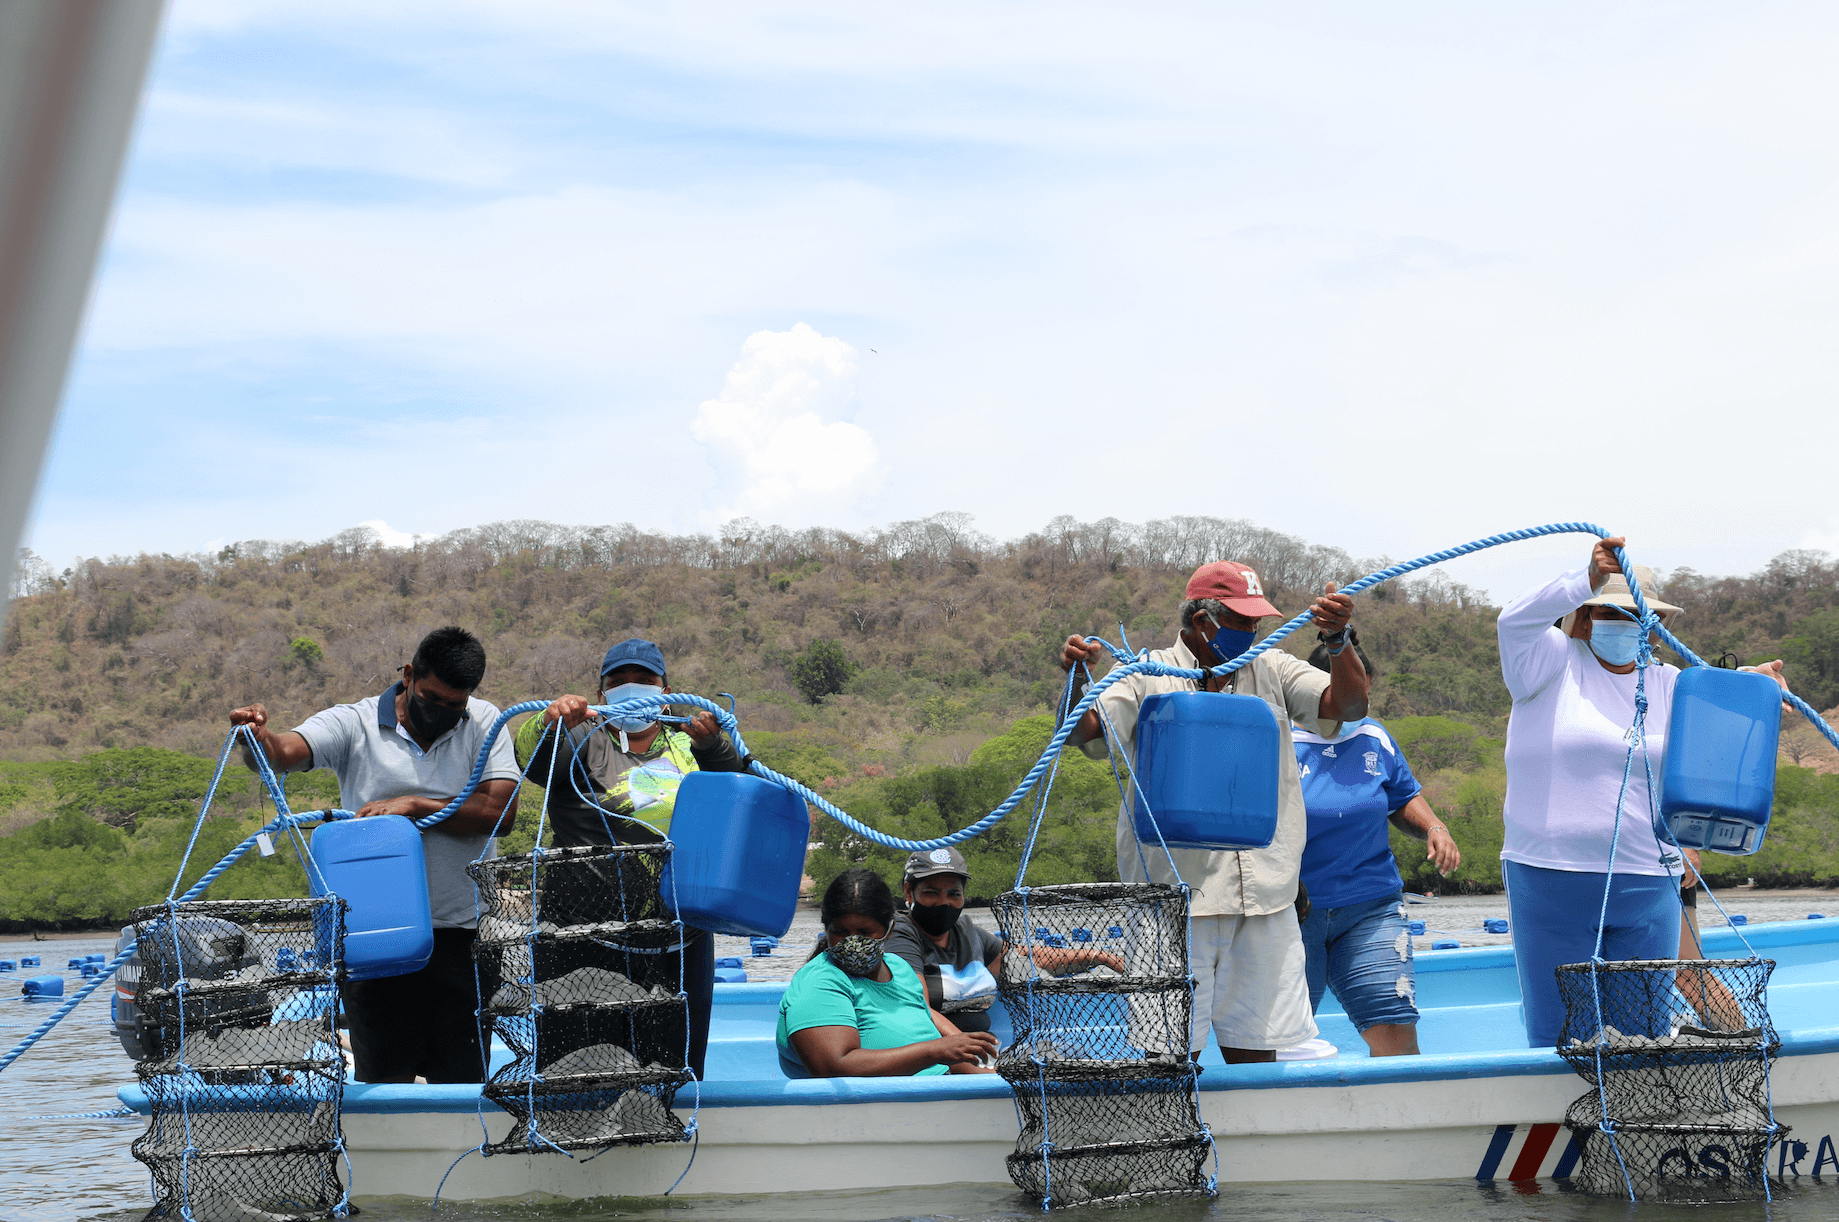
x=408, y=752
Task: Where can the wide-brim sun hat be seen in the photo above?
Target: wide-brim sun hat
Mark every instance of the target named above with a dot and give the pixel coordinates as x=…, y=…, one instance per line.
x=1615, y=593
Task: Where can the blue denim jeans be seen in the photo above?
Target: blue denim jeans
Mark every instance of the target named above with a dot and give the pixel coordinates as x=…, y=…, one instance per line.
x=1363, y=952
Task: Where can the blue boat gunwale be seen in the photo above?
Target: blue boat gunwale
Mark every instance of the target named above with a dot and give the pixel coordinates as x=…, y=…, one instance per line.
x=397, y=1099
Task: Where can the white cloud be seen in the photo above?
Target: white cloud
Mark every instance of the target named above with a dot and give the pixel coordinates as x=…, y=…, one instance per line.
x=768, y=429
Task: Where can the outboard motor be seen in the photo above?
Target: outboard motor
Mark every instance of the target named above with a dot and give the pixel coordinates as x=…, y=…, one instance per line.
x=205, y=948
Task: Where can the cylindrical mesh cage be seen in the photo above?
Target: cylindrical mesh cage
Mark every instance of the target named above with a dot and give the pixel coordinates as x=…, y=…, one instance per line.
x=1098, y=990
x=585, y=963
x=1678, y=1055
x=240, y=998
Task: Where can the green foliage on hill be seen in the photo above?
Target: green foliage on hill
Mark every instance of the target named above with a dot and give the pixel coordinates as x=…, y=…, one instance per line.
x=106, y=834
x=1802, y=845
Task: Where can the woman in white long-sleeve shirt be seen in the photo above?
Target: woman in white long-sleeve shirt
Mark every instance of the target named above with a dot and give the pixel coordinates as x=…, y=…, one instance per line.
x=1573, y=688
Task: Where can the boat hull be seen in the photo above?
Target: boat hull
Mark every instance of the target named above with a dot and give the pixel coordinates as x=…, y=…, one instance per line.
x=1478, y=1107
x=1490, y=1128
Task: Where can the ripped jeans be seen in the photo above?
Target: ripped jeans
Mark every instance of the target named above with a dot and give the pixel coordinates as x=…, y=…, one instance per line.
x=1363, y=951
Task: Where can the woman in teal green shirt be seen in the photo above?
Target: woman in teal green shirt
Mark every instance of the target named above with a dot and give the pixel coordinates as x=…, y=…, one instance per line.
x=852, y=1012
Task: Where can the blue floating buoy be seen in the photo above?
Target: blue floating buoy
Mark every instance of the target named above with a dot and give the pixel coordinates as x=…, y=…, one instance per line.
x=730, y=975
x=1494, y=924
x=287, y=960
x=1114, y=931
x=7, y=965
x=1416, y=927
x=95, y=958
x=92, y=969
x=1081, y=935
x=1737, y=918
x=763, y=945
x=42, y=986
x=1816, y=916
x=29, y=961
x=728, y=961
x=75, y=965
x=1446, y=944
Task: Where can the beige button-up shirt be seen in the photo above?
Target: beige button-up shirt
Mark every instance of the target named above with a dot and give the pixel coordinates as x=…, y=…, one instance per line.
x=1255, y=881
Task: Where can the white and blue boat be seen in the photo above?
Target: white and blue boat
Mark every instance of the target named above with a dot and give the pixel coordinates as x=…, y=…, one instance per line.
x=1478, y=1104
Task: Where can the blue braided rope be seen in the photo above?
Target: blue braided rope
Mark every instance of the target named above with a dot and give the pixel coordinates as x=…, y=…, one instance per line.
x=204, y=807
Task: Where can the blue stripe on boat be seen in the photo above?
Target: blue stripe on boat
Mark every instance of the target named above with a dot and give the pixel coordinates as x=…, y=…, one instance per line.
x=1567, y=1162
x=1497, y=1149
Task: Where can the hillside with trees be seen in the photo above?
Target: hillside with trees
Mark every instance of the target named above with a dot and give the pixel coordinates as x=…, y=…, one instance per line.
x=906, y=672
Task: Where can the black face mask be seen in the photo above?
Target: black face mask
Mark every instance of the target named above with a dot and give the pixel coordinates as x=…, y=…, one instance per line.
x=935, y=919
x=432, y=719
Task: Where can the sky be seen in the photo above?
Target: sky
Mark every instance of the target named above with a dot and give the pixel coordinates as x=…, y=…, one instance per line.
x=1388, y=277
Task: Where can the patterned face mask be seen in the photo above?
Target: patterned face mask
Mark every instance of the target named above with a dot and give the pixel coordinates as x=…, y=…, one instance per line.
x=857, y=955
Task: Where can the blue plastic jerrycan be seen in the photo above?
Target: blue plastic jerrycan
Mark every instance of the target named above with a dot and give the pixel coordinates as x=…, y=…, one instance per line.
x=738, y=854
x=1718, y=780
x=42, y=986
x=1207, y=766
x=375, y=865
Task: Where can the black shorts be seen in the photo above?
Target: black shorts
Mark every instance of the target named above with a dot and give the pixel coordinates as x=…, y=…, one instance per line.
x=422, y=1024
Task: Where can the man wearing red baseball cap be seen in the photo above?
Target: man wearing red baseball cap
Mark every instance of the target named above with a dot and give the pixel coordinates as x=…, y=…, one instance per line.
x=1246, y=950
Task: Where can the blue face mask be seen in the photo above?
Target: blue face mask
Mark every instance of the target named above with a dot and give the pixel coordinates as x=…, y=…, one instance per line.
x=1617, y=642
x=1229, y=643
x=629, y=691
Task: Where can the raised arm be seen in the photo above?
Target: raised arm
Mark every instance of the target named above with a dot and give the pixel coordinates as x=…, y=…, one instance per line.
x=1076, y=651
x=285, y=750
x=1348, y=687
x=1532, y=650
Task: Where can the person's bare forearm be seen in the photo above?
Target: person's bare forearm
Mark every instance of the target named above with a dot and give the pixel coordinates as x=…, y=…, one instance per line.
x=1088, y=729
x=489, y=811
x=1346, y=697
x=1416, y=819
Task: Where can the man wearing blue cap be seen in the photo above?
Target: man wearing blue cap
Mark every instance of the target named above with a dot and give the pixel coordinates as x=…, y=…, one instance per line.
x=632, y=768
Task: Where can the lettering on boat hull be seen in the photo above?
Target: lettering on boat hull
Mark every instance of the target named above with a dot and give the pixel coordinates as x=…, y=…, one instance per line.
x=1527, y=1153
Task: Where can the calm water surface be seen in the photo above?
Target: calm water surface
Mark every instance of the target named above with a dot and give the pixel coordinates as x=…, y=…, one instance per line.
x=80, y=1169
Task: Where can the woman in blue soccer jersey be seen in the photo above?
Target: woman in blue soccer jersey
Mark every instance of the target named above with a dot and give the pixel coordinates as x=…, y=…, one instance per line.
x=1355, y=936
